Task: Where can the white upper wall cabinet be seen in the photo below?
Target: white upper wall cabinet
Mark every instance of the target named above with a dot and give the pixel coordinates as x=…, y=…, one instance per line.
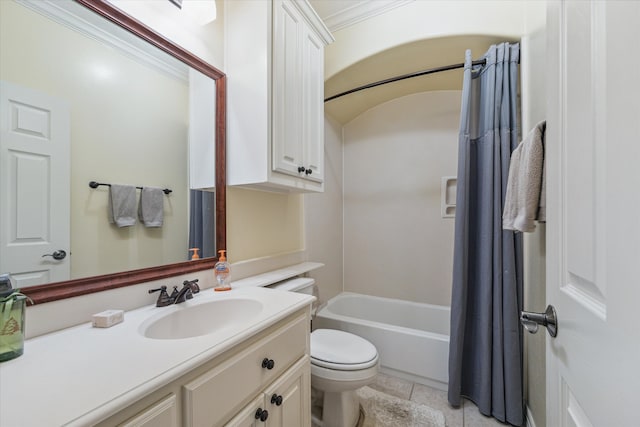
x=274, y=58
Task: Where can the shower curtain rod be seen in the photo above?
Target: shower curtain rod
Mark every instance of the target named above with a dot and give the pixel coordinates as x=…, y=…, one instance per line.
x=406, y=76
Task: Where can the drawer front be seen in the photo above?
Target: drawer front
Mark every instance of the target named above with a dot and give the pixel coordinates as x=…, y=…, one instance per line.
x=161, y=414
x=216, y=395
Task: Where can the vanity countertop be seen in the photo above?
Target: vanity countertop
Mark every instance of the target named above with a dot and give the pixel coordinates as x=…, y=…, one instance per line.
x=81, y=375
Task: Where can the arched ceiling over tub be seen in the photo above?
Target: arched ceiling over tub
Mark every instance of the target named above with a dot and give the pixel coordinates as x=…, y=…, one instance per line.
x=402, y=59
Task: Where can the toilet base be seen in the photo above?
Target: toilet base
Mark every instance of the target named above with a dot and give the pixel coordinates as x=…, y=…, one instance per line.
x=340, y=409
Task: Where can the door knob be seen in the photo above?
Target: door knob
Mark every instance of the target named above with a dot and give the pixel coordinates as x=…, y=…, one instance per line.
x=57, y=255
x=548, y=319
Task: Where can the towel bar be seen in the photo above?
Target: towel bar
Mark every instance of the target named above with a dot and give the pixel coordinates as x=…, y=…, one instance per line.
x=95, y=184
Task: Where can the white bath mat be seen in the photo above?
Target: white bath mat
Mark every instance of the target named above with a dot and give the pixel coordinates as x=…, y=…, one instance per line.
x=383, y=410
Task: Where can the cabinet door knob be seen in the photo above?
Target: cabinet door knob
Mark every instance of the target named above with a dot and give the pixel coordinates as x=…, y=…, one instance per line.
x=262, y=414
x=276, y=399
x=301, y=169
x=308, y=171
x=268, y=363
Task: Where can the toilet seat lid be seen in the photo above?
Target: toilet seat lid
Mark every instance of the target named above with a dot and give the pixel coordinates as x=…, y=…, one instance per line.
x=334, y=349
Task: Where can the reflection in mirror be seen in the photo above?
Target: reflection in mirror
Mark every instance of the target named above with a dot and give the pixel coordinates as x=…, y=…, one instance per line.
x=115, y=112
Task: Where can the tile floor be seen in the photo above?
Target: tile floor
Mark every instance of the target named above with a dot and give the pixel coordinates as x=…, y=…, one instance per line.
x=467, y=416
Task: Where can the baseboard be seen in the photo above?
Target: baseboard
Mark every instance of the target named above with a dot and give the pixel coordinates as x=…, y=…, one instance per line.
x=414, y=378
x=530, y=421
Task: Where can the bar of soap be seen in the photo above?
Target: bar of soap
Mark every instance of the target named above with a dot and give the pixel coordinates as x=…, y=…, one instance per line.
x=108, y=318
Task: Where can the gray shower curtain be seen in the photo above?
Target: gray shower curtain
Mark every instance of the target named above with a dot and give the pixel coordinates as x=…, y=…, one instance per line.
x=485, y=349
x=202, y=222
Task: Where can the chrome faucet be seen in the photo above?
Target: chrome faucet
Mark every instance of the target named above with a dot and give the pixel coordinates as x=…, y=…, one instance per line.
x=189, y=287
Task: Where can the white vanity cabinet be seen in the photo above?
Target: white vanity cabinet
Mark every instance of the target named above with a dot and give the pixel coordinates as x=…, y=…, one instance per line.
x=274, y=56
x=229, y=390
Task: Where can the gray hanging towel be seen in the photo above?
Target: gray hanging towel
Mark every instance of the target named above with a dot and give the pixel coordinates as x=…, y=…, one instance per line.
x=151, y=207
x=122, y=205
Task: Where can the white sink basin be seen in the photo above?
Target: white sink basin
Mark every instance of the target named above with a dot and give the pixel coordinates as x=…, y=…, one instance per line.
x=193, y=320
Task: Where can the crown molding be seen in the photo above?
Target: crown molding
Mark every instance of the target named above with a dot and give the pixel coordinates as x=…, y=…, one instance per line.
x=316, y=22
x=361, y=11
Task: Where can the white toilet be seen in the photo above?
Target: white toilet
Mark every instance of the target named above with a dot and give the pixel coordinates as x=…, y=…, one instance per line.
x=341, y=363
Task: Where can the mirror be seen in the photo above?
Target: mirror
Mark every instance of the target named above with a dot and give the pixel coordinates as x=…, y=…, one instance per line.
x=107, y=146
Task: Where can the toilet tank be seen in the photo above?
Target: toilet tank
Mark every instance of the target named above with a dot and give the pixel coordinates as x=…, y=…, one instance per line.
x=303, y=285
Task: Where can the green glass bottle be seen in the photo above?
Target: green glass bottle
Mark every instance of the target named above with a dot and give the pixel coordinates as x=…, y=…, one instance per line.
x=12, y=305
x=12, y=326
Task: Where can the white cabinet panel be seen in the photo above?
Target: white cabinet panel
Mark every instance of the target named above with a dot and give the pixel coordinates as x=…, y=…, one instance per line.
x=275, y=62
x=288, y=399
x=313, y=113
x=287, y=94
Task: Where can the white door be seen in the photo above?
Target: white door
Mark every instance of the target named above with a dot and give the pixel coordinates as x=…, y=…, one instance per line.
x=34, y=185
x=593, y=198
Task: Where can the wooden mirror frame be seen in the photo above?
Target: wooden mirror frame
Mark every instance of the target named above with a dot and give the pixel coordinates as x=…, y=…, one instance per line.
x=71, y=288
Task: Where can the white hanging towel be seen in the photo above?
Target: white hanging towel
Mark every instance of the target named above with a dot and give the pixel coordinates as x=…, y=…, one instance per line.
x=151, y=207
x=122, y=205
x=526, y=193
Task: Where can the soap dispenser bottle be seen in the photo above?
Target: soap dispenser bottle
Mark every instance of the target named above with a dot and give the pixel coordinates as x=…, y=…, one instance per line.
x=222, y=271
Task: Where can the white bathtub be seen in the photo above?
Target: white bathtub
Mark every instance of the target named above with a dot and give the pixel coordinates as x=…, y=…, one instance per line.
x=412, y=338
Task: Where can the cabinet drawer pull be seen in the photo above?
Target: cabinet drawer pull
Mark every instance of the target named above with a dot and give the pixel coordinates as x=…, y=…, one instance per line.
x=301, y=169
x=308, y=171
x=268, y=363
x=262, y=414
x=275, y=399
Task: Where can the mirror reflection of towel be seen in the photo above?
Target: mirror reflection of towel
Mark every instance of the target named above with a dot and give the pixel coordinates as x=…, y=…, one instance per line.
x=122, y=205
x=151, y=207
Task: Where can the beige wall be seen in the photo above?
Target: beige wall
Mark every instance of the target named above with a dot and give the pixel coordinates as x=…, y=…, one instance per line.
x=115, y=136
x=323, y=215
x=396, y=243
x=260, y=224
